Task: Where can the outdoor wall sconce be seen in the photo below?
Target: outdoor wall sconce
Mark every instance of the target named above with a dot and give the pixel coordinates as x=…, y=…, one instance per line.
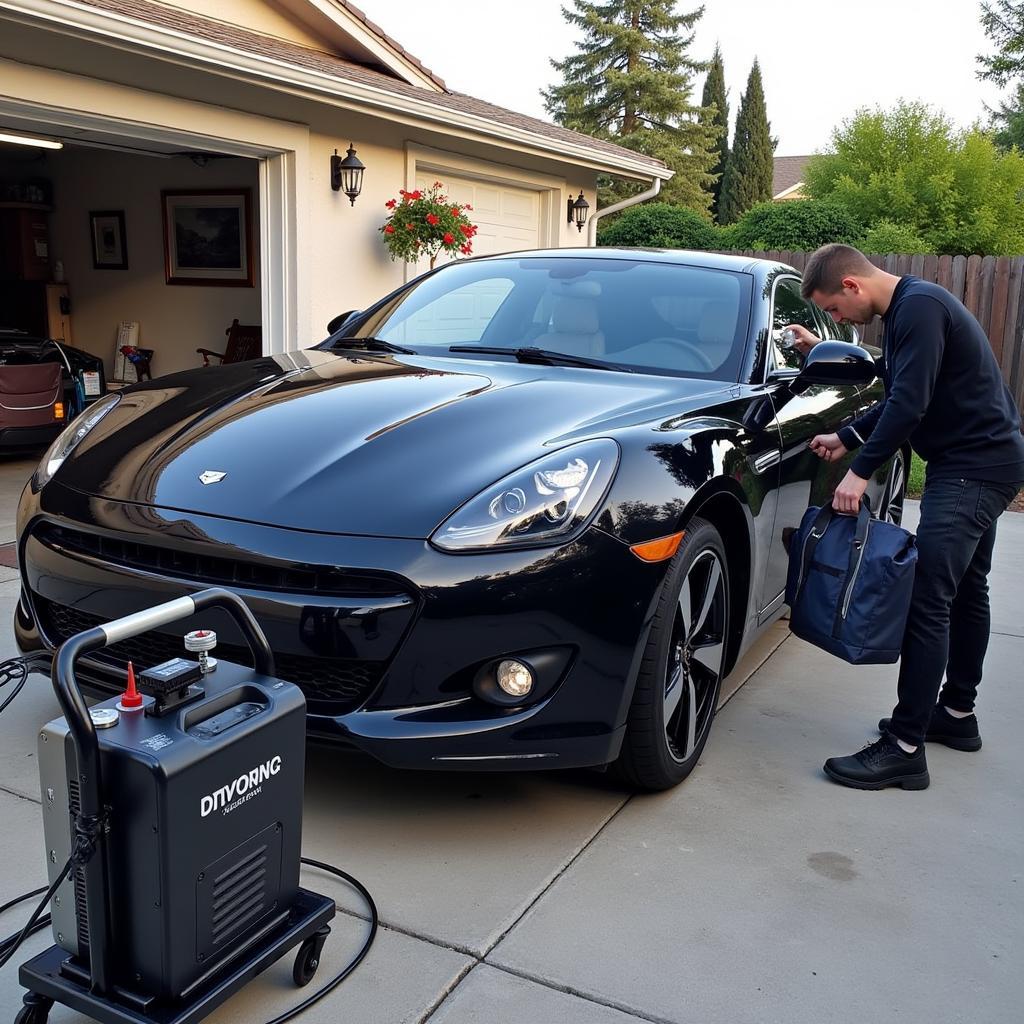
x=347, y=174
x=578, y=211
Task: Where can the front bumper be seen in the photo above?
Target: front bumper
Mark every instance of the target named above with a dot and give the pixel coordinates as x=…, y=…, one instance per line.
x=385, y=636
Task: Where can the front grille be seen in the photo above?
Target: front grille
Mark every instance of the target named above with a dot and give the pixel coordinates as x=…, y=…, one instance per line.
x=338, y=685
x=212, y=570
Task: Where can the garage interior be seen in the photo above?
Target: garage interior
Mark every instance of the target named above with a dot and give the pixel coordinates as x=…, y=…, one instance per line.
x=84, y=254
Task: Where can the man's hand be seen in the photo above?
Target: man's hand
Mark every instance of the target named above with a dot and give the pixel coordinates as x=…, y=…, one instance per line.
x=827, y=447
x=848, y=494
x=804, y=340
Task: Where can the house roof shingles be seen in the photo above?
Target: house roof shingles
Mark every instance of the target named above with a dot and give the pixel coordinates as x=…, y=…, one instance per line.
x=320, y=61
x=787, y=172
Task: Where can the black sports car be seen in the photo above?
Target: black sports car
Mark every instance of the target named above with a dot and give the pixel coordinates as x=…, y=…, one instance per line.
x=527, y=511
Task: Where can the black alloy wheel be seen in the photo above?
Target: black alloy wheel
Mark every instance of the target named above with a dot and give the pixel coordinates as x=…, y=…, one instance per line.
x=680, y=677
x=896, y=489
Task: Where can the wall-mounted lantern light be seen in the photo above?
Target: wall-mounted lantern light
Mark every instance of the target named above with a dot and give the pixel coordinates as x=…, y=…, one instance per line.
x=347, y=174
x=578, y=211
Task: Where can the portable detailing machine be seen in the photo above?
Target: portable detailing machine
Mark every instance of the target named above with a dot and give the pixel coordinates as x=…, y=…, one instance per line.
x=173, y=825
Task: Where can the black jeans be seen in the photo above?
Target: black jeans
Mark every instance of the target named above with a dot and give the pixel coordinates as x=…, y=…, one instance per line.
x=949, y=621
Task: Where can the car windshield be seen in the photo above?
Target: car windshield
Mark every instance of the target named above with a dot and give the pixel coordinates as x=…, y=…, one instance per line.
x=645, y=316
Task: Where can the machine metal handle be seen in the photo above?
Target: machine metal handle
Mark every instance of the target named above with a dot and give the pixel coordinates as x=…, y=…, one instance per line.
x=83, y=732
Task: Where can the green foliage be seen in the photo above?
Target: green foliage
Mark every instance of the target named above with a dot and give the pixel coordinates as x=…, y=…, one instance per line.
x=1003, y=22
x=748, y=174
x=800, y=224
x=630, y=83
x=660, y=225
x=715, y=115
x=887, y=236
x=423, y=224
x=1008, y=122
x=909, y=165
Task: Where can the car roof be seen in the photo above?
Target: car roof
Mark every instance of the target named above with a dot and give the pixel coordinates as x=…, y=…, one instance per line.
x=683, y=257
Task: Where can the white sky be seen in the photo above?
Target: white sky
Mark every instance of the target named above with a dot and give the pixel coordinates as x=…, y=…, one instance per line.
x=821, y=60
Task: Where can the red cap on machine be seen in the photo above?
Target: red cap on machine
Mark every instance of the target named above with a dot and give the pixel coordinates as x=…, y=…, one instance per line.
x=131, y=698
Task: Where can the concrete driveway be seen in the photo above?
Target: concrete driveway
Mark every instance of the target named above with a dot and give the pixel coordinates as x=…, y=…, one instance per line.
x=756, y=892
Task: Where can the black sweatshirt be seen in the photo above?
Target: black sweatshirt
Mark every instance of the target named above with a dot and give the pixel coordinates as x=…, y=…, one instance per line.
x=944, y=393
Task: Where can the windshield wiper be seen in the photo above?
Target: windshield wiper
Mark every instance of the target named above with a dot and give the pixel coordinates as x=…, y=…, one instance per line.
x=372, y=345
x=542, y=356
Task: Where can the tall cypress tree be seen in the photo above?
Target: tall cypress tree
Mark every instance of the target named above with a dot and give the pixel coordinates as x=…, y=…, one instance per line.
x=716, y=116
x=630, y=83
x=748, y=174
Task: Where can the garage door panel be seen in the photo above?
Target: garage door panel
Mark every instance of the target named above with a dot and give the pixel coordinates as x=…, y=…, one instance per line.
x=507, y=218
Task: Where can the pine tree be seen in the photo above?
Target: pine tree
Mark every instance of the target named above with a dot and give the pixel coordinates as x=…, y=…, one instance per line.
x=748, y=174
x=630, y=83
x=1003, y=22
x=716, y=116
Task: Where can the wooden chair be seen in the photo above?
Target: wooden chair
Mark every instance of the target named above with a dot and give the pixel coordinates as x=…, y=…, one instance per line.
x=245, y=341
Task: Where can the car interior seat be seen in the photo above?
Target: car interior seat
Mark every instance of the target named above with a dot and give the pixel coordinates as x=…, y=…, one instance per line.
x=575, y=323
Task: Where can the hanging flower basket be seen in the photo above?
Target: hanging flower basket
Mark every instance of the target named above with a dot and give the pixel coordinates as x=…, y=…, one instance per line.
x=423, y=224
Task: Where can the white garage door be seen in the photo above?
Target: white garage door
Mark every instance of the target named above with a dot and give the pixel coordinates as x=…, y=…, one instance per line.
x=507, y=218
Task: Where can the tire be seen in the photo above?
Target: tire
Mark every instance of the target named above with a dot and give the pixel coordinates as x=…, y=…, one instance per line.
x=307, y=960
x=896, y=488
x=680, y=676
x=32, y=1015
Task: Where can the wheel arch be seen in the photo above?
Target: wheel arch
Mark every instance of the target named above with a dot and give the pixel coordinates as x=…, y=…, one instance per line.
x=726, y=508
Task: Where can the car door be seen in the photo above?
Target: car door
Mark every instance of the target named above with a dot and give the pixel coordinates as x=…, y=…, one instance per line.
x=800, y=413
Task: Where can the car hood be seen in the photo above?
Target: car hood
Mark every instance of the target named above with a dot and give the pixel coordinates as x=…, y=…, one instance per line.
x=354, y=444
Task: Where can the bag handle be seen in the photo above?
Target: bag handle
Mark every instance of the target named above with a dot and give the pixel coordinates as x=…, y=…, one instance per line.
x=826, y=514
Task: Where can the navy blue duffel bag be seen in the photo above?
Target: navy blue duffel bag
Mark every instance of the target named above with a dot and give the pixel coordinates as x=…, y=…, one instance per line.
x=849, y=584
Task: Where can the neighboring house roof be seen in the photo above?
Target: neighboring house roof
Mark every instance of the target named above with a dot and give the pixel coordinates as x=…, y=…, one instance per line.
x=258, y=46
x=787, y=174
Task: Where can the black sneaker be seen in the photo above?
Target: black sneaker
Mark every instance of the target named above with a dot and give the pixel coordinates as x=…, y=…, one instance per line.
x=958, y=733
x=880, y=764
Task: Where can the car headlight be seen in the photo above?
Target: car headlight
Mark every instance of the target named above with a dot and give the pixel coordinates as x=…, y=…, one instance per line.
x=70, y=437
x=549, y=500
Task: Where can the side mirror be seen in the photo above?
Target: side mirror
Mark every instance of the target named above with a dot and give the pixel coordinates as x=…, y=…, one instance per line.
x=336, y=322
x=837, y=362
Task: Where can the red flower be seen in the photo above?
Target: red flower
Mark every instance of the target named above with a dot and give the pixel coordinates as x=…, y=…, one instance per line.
x=468, y=207
x=432, y=219
x=389, y=230
x=438, y=184
x=408, y=227
x=466, y=249
x=391, y=204
x=448, y=238
x=414, y=195
x=456, y=211
x=466, y=229
x=402, y=192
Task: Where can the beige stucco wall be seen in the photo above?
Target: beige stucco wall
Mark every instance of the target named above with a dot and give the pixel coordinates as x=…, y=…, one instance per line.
x=253, y=14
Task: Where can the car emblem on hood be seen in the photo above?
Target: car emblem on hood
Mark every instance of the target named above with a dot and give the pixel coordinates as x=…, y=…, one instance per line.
x=211, y=476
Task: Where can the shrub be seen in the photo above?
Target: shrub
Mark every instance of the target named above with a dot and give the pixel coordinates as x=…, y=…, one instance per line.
x=799, y=224
x=888, y=236
x=660, y=225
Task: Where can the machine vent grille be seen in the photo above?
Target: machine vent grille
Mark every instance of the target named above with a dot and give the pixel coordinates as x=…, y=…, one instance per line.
x=237, y=891
x=78, y=876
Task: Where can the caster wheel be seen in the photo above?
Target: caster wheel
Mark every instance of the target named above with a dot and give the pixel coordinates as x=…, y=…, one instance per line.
x=307, y=960
x=33, y=1013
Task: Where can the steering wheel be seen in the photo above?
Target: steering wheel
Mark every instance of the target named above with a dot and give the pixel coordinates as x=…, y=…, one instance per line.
x=689, y=346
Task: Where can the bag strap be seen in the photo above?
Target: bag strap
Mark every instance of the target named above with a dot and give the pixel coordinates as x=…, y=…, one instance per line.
x=826, y=515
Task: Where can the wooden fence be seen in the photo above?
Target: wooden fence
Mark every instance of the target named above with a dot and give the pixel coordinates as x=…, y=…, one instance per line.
x=991, y=287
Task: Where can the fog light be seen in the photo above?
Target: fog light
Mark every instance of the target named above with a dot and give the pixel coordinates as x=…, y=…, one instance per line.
x=515, y=678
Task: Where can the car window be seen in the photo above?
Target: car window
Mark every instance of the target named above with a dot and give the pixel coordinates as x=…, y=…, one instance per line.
x=459, y=316
x=653, y=317
x=789, y=307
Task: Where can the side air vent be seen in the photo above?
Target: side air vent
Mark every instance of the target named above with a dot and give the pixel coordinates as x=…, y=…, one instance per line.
x=78, y=876
x=237, y=890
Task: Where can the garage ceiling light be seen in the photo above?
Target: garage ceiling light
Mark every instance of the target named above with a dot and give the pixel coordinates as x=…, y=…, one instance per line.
x=30, y=140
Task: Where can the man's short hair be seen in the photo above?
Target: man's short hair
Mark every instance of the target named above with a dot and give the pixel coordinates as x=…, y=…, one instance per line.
x=827, y=266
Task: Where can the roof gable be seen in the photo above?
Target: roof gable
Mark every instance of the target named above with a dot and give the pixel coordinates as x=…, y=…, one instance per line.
x=332, y=26
x=787, y=173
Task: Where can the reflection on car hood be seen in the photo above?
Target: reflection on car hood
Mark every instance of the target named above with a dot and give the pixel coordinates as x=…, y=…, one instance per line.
x=371, y=445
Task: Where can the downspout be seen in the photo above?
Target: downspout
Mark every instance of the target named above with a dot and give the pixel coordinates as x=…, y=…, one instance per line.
x=615, y=207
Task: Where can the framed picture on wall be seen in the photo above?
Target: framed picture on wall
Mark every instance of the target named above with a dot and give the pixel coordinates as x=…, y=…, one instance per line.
x=208, y=237
x=109, y=242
